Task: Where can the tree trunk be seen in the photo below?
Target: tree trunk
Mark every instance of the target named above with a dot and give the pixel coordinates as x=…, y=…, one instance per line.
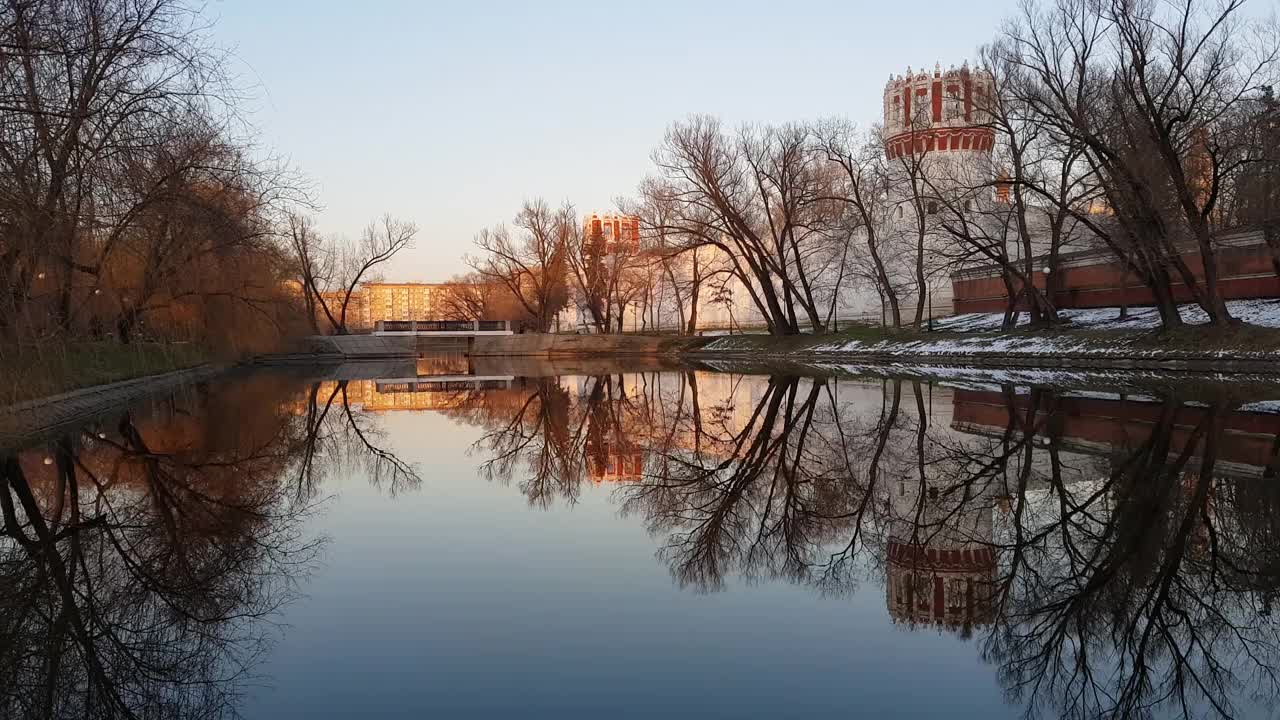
x=922, y=286
x=1213, y=302
x=1271, y=233
x=125, y=325
x=1012, y=295
x=694, y=291
x=1162, y=290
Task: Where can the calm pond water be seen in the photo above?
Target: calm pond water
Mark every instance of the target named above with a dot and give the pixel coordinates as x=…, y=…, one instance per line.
x=599, y=540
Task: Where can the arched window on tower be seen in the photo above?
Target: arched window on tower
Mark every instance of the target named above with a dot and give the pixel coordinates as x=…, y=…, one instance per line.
x=932, y=207
x=899, y=211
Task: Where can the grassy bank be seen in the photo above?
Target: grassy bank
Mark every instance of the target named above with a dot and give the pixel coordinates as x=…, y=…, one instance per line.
x=39, y=371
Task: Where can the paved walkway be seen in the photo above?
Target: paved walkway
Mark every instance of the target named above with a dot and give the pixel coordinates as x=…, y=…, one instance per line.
x=28, y=422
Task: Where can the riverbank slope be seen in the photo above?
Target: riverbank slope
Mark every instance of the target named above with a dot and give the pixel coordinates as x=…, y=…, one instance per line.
x=1095, y=338
x=41, y=371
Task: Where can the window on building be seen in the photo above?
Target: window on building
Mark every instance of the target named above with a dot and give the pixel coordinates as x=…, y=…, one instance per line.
x=954, y=107
x=899, y=211
x=932, y=207
x=967, y=205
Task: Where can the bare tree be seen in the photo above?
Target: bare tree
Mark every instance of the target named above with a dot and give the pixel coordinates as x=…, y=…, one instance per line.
x=604, y=272
x=335, y=269
x=86, y=86
x=865, y=188
x=1253, y=197
x=1019, y=217
x=688, y=264
x=761, y=198
x=128, y=200
x=1142, y=87
x=314, y=264
x=532, y=265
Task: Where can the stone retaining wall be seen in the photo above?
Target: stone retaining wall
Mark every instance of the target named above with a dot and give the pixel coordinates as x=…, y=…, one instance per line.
x=363, y=345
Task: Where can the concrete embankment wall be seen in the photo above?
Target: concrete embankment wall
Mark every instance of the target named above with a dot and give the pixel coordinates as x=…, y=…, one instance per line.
x=374, y=346
x=368, y=346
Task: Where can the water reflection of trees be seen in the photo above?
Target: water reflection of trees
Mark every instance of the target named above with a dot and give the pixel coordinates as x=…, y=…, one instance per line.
x=144, y=558
x=1127, y=569
x=341, y=439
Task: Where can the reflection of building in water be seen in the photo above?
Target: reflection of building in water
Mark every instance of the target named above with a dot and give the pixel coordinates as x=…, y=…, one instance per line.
x=1094, y=447
x=383, y=395
x=939, y=558
x=444, y=363
x=941, y=563
x=1099, y=425
x=613, y=461
x=951, y=586
x=648, y=417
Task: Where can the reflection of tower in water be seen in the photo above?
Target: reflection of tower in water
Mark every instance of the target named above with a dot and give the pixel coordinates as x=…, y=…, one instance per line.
x=940, y=564
x=613, y=460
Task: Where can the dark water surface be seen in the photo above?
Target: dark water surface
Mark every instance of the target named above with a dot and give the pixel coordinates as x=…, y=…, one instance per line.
x=383, y=541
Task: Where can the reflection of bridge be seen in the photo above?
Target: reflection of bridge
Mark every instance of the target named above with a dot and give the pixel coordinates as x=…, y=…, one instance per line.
x=442, y=328
x=444, y=383
x=445, y=391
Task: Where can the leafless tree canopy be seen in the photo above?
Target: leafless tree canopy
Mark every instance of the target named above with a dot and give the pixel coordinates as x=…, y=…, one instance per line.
x=126, y=195
x=330, y=270
x=531, y=261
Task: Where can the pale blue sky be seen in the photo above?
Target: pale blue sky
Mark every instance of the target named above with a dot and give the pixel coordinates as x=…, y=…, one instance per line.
x=450, y=114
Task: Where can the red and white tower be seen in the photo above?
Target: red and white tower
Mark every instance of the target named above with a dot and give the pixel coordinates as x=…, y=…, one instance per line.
x=938, y=141
x=939, y=112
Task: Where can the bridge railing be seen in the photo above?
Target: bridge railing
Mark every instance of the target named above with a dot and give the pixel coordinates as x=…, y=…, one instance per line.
x=453, y=327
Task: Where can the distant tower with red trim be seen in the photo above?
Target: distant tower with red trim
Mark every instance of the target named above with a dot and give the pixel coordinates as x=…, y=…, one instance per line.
x=937, y=129
x=939, y=112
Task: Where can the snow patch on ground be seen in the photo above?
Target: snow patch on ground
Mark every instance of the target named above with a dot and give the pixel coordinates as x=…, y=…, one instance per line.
x=1266, y=406
x=986, y=341
x=986, y=378
x=1082, y=383
x=1264, y=313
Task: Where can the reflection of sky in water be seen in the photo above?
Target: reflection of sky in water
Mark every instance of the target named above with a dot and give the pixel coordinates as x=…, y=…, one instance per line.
x=462, y=596
x=461, y=600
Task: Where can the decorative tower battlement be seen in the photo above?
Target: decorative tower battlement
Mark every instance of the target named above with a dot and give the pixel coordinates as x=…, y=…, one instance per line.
x=939, y=111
